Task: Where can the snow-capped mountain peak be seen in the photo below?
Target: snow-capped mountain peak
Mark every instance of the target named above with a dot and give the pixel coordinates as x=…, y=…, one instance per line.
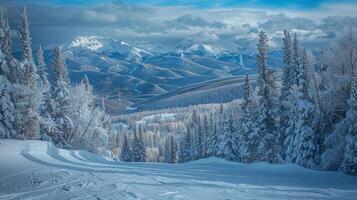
x=91, y=43
x=203, y=49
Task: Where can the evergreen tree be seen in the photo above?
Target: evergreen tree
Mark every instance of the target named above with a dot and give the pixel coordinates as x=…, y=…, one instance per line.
x=287, y=83
x=139, y=154
x=47, y=124
x=268, y=106
x=125, y=150
x=5, y=37
x=349, y=162
x=170, y=152
x=25, y=36
x=295, y=62
x=198, y=147
x=28, y=94
x=7, y=108
x=186, y=146
x=205, y=135
x=248, y=138
x=61, y=97
x=307, y=143
x=290, y=135
x=230, y=145
x=212, y=140
x=41, y=65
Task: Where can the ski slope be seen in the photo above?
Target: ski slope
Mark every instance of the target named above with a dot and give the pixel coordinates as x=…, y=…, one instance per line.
x=38, y=170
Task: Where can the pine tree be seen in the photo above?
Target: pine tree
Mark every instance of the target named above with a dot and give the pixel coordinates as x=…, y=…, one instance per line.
x=290, y=137
x=7, y=108
x=230, y=145
x=212, y=140
x=139, y=154
x=6, y=113
x=248, y=138
x=205, y=135
x=41, y=65
x=125, y=150
x=295, y=62
x=267, y=119
x=29, y=97
x=307, y=142
x=170, y=150
x=47, y=124
x=185, y=146
x=60, y=69
x=349, y=163
x=5, y=37
x=61, y=94
x=25, y=36
x=287, y=83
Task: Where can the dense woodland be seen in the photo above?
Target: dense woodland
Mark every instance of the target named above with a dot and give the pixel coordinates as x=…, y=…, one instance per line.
x=304, y=114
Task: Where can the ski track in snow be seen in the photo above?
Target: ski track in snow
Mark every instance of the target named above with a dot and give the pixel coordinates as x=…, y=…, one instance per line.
x=38, y=170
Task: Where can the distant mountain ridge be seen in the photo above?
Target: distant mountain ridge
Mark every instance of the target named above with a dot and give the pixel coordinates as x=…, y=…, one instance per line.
x=120, y=71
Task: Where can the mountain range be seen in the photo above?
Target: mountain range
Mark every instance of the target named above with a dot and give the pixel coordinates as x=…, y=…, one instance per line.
x=130, y=77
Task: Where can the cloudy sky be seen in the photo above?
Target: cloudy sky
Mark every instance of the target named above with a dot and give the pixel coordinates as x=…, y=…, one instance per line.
x=162, y=25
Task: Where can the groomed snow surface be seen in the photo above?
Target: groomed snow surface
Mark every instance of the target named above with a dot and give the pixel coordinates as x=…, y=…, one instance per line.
x=38, y=170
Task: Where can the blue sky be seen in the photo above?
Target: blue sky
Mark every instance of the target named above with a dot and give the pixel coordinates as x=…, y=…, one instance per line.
x=292, y=4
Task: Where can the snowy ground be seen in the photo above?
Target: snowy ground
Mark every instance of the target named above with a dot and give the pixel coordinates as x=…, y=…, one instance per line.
x=38, y=170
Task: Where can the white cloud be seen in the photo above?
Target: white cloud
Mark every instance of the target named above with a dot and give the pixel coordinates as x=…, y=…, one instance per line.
x=98, y=17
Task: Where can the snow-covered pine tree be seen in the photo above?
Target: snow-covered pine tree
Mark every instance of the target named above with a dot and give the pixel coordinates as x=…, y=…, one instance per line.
x=126, y=154
x=41, y=65
x=6, y=111
x=212, y=140
x=307, y=142
x=47, y=124
x=170, y=153
x=5, y=37
x=295, y=61
x=25, y=36
x=205, y=135
x=199, y=139
x=230, y=145
x=248, y=138
x=349, y=162
x=185, y=147
x=28, y=94
x=7, y=108
x=138, y=147
x=287, y=83
x=290, y=137
x=267, y=123
x=61, y=98
x=220, y=131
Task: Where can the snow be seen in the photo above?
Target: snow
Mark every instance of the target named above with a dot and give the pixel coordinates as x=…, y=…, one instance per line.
x=203, y=49
x=38, y=170
x=107, y=46
x=91, y=43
